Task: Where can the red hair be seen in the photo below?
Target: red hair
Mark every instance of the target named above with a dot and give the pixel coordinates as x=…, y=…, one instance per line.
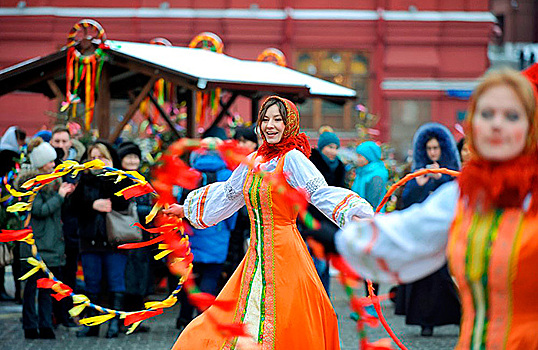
x=503, y=184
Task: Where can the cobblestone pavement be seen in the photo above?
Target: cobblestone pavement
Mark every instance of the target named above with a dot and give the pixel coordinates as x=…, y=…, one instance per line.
x=163, y=332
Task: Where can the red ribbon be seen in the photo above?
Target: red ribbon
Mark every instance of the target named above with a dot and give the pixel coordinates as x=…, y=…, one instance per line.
x=141, y=316
x=14, y=235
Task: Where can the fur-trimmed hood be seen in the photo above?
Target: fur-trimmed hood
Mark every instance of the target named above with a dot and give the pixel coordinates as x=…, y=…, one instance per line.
x=449, y=151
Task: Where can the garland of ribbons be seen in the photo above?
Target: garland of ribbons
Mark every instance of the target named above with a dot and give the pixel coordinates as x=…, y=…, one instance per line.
x=174, y=243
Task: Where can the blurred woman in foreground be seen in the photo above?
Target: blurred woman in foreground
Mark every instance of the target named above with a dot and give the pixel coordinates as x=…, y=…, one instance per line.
x=485, y=223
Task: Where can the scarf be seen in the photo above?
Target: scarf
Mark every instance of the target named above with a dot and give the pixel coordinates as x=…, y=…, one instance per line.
x=291, y=138
x=485, y=184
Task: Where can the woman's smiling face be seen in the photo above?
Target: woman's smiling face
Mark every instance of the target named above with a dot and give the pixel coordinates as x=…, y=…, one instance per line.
x=272, y=125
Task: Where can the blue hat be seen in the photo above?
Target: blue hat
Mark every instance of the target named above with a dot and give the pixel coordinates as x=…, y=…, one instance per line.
x=327, y=138
x=46, y=135
x=369, y=150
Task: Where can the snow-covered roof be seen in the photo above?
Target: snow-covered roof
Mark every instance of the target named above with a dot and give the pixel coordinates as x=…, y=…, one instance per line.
x=206, y=67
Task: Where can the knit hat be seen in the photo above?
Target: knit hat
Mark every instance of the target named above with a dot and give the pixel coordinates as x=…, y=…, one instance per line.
x=42, y=154
x=46, y=135
x=246, y=133
x=215, y=131
x=327, y=138
x=369, y=150
x=129, y=148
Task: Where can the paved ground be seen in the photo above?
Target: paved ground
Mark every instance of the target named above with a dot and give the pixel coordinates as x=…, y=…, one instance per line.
x=163, y=332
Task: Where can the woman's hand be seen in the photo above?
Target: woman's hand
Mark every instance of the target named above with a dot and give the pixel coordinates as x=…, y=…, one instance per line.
x=422, y=180
x=175, y=209
x=358, y=219
x=102, y=205
x=435, y=165
x=65, y=189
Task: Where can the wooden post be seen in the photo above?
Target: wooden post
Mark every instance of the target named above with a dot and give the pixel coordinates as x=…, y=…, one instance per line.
x=190, y=99
x=254, y=109
x=102, y=105
x=132, y=109
x=348, y=121
x=56, y=90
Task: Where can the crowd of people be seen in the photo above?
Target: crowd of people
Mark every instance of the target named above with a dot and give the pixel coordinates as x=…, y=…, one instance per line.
x=248, y=245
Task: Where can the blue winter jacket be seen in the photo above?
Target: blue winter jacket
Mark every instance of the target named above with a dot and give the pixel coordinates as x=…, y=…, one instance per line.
x=210, y=245
x=371, y=179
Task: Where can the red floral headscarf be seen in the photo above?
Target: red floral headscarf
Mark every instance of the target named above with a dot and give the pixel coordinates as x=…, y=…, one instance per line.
x=291, y=139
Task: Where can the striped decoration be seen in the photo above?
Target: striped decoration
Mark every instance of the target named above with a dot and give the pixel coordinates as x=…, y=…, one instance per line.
x=482, y=251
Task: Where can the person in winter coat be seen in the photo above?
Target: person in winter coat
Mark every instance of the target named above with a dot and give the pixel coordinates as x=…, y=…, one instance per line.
x=246, y=138
x=372, y=175
x=93, y=198
x=431, y=301
x=10, y=145
x=137, y=270
x=61, y=138
x=324, y=157
x=209, y=246
x=370, y=181
x=47, y=229
x=433, y=147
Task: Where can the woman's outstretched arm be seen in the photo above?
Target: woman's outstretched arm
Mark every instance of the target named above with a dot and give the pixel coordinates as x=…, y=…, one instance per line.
x=401, y=246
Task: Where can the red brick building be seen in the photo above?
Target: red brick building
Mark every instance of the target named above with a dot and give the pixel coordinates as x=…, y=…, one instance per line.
x=410, y=61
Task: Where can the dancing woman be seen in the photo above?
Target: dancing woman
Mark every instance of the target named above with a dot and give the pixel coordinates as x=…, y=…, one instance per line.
x=279, y=294
x=485, y=223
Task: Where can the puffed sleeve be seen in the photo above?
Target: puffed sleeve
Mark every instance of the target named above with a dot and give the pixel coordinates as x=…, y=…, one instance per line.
x=213, y=203
x=338, y=204
x=402, y=246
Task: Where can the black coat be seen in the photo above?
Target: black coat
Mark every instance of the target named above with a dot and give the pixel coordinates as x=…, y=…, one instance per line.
x=335, y=178
x=8, y=159
x=92, y=223
x=432, y=300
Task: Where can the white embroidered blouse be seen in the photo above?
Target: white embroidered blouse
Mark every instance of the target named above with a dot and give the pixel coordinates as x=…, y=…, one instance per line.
x=208, y=205
x=402, y=246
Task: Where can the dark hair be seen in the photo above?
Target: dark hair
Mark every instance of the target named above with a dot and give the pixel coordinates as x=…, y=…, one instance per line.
x=281, y=108
x=460, y=145
x=60, y=128
x=431, y=137
x=246, y=133
x=20, y=134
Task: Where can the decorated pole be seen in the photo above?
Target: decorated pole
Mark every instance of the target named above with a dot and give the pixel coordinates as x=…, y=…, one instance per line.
x=85, y=60
x=207, y=102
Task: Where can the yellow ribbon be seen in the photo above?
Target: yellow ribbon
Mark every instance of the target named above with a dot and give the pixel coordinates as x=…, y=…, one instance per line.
x=21, y=206
x=28, y=239
x=95, y=320
x=133, y=327
x=16, y=193
x=39, y=265
x=153, y=212
x=168, y=302
x=79, y=299
x=162, y=254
